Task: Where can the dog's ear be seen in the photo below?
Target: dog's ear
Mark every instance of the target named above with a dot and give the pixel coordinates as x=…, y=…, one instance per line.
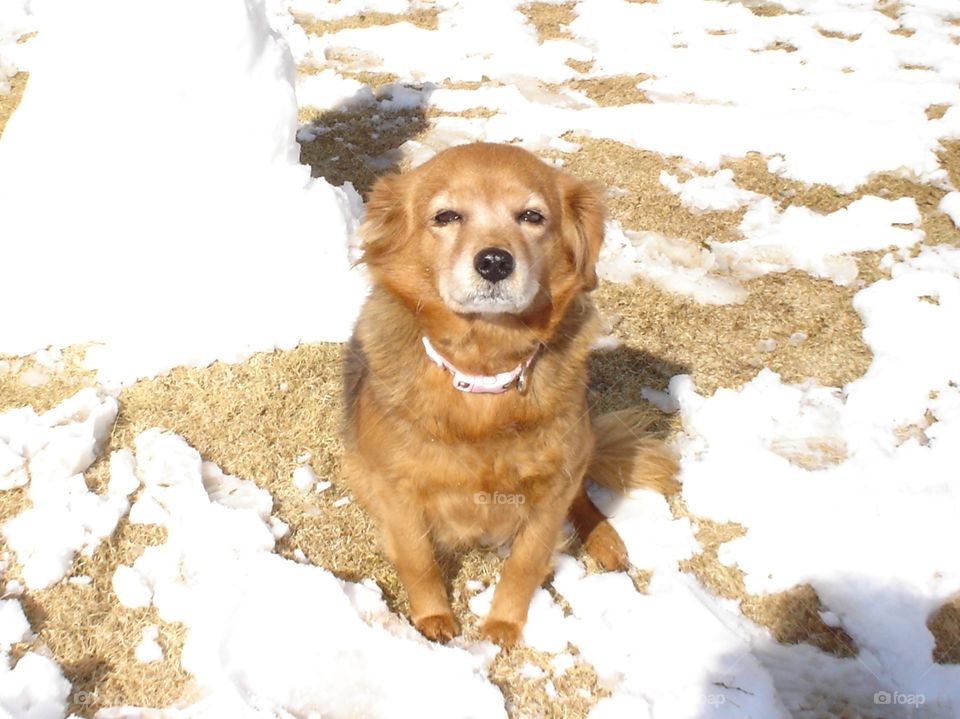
x=583, y=219
x=385, y=226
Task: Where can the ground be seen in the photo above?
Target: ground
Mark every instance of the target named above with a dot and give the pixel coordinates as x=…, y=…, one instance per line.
x=234, y=415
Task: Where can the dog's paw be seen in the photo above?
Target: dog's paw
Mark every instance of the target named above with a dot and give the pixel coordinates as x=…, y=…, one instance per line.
x=438, y=627
x=502, y=632
x=605, y=545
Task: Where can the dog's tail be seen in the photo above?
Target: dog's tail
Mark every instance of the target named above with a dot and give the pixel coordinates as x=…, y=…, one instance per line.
x=627, y=456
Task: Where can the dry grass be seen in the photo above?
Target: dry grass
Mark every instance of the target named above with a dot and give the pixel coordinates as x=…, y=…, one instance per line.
x=550, y=20
x=719, y=345
x=641, y=202
x=10, y=100
x=26, y=382
x=254, y=419
x=890, y=8
x=93, y=637
x=81, y=625
x=766, y=9
x=613, y=90
x=727, y=337
x=792, y=616
x=581, y=66
x=944, y=625
x=575, y=691
x=780, y=45
x=837, y=35
x=950, y=160
x=935, y=112
x=346, y=60
x=424, y=18
x=751, y=173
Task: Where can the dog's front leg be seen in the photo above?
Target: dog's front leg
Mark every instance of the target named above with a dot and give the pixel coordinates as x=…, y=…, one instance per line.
x=524, y=570
x=406, y=539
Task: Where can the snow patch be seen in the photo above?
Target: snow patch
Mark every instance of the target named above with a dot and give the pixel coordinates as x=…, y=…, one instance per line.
x=148, y=650
x=838, y=461
x=820, y=244
x=712, y=192
x=34, y=687
x=171, y=190
x=48, y=453
x=774, y=241
x=950, y=204
x=265, y=633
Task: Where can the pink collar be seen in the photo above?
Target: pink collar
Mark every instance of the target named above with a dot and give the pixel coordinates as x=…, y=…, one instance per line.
x=484, y=384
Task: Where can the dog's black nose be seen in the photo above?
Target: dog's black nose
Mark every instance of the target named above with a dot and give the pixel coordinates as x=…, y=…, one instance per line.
x=493, y=264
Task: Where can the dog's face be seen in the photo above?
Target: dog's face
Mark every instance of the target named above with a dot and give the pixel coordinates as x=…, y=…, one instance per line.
x=491, y=243
x=485, y=230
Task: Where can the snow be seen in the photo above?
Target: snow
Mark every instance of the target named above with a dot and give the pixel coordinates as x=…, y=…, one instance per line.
x=148, y=650
x=562, y=663
x=183, y=230
x=252, y=648
x=801, y=105
x=303, y=478
x=531, y=671
x=462, y=40
x=49, y=453
x=701, y=661
x=774, y=241
x=131, y=589
x=323, y=10
x=15, y=20
x=278, y=528
x=654, y=538
x=14, y=626
x=35, y=686
x=328, y=88
x=950, y=204
x=173, y=201
x=881, y=555
x=711, y=192
x=674, y=263
x=816, y=243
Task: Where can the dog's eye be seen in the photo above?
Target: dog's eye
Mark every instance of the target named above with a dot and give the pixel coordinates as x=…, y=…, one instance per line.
x=446, y=217
x=531, y=216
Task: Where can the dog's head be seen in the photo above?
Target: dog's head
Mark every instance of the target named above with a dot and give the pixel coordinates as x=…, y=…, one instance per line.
x=486, y=230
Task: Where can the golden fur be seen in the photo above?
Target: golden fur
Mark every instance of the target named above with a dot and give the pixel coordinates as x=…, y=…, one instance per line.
x=436, y=466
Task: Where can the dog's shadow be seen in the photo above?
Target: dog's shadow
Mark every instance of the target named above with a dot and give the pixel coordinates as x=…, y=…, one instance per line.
x=618, y=377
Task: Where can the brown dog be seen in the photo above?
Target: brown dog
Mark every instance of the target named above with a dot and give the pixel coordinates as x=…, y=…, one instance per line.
x=465, y=380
